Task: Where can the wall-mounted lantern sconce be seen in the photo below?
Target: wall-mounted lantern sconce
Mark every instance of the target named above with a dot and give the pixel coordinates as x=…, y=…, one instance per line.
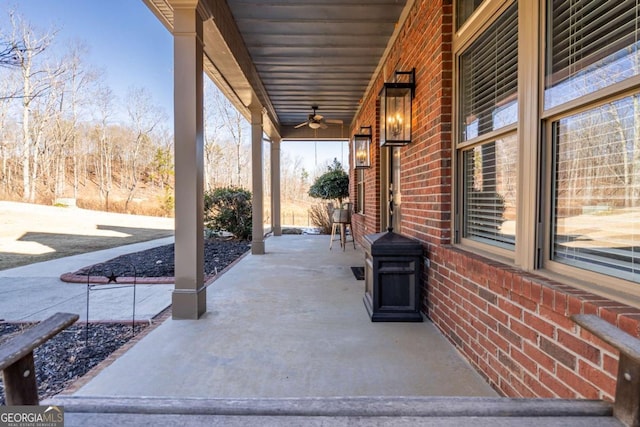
x=361, y=148
x=395, y=109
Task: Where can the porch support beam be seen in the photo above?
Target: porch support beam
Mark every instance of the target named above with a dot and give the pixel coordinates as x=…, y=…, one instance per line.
x=189, y=294
x=257, y=181
x=276, y=224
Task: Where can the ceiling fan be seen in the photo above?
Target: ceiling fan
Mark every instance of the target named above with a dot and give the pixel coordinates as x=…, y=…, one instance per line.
x=316, y=120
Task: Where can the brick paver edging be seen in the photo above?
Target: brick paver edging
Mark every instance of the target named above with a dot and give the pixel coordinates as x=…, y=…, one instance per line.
x=101, y=280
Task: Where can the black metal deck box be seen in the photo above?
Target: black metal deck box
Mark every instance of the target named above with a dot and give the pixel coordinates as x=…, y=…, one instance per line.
x=392, y=277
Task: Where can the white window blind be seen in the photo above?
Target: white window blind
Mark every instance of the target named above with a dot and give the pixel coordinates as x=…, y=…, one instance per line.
x=489, y=78
x=596, y=205
x=489, y=181
x=593, y=44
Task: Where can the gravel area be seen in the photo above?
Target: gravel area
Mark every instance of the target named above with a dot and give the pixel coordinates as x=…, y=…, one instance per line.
x=67, y=356
x=158, y=262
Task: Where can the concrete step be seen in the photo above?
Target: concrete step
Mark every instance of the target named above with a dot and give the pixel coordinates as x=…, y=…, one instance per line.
x=333, y=411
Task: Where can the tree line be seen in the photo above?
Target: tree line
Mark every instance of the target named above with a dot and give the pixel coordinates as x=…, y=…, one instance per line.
x=65, y=134
x=62, y=130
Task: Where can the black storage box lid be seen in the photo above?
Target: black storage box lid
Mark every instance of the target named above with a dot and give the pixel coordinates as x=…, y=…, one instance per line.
x=390, y=243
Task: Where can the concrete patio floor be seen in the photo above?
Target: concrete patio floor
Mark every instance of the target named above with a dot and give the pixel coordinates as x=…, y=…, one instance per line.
x=290, y=323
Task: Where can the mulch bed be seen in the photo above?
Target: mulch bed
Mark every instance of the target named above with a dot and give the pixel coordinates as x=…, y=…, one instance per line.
x=156, y=265
x=67, y=356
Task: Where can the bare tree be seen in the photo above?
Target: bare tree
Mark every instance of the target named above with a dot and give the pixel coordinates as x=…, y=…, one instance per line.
x=236, y=126
x=104, y=99
x=73, y=95
x=34, y=84
x=5, y=148
x=8, y=60
x=8, y=54
x=227, y=154
x=145, y=117
x=48, y=141
x=213, y=152
x=43, y=113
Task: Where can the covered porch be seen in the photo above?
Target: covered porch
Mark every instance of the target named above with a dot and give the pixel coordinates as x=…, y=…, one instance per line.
x=287, y=341
x=291, y=323
x=276, y=62
x=506, y=303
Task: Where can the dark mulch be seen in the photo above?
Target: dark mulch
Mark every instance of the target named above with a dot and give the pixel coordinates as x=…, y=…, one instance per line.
x=159, y=261
x=65, y=357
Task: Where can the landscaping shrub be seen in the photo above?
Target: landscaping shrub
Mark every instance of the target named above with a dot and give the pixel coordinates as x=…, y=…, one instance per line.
x=320, y=215
x=332, y=185
x=229, y=209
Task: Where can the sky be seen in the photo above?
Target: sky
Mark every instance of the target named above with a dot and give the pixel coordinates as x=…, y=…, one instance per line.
x=317, y=154
x=123, y=36
x=134, y=49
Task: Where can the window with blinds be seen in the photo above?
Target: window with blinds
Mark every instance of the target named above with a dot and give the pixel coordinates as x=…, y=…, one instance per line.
x=360, y=191
x=596, y=206
x=593, y=44
x=489, y=181
x=489, y=79
x=464, y=9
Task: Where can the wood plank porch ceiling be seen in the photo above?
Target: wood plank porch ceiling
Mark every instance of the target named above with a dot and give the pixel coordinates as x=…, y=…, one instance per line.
x=298, y=52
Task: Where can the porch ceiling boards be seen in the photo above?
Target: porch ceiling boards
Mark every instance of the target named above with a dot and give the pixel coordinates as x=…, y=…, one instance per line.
x=292, y=54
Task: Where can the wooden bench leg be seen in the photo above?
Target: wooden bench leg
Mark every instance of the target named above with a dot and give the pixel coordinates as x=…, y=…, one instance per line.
x=20, y=386
x=627, y=404
x=626, y=407
x=16, y=359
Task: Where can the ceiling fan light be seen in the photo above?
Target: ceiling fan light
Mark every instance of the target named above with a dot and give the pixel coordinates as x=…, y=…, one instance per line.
x=314, y=125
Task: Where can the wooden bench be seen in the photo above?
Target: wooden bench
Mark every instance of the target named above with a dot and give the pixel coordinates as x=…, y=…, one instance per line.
x=626, y=406
x=16, y=359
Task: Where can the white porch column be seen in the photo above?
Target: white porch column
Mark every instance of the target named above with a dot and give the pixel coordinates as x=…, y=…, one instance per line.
x=276, y=224
x=257, y=233
x=189, y=294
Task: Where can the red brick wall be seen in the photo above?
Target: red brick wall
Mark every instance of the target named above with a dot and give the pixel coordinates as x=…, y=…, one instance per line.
x=425, y=209
x=369, y=221
x=513, y=326
x=426, y=163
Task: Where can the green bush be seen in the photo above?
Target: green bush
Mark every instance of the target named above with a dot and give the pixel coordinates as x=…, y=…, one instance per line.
x=229, y=209
x=332, y=185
